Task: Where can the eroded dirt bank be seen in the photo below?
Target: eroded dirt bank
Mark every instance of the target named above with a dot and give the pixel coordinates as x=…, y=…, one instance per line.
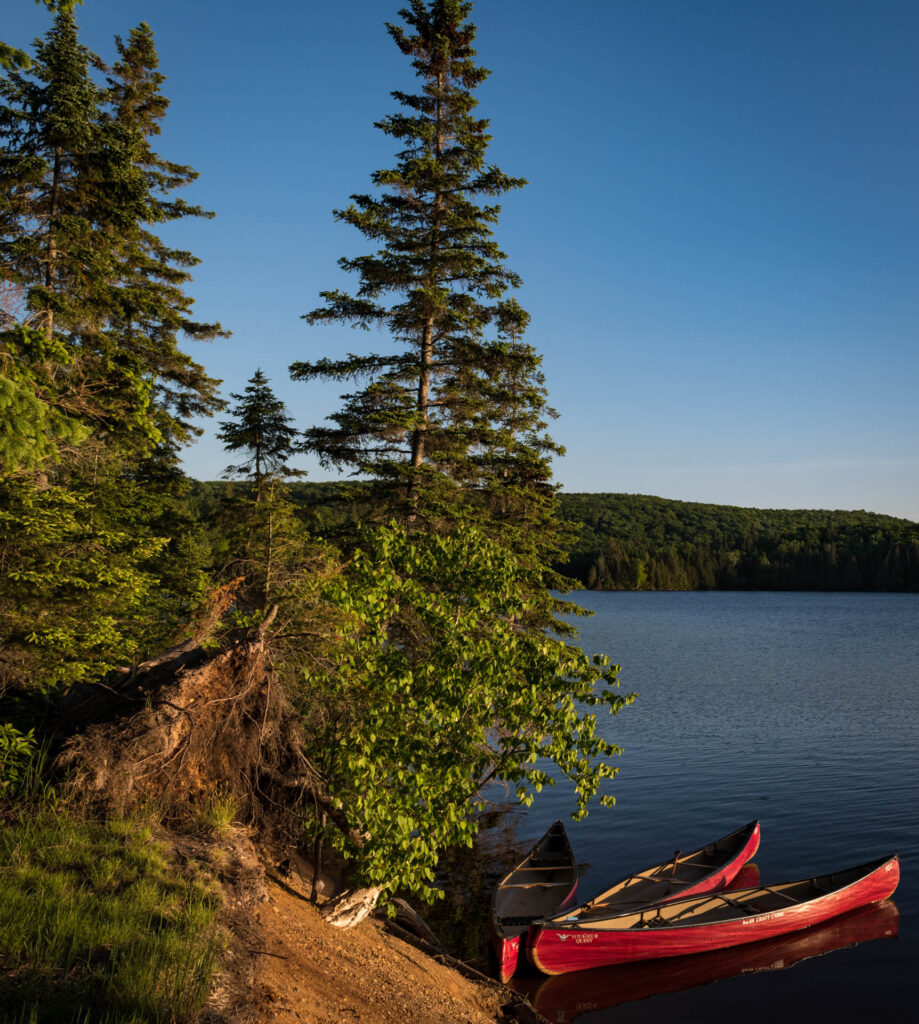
x=286, y=965
x=311, y=972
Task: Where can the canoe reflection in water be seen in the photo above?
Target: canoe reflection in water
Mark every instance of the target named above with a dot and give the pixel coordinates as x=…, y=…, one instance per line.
x=565, y=997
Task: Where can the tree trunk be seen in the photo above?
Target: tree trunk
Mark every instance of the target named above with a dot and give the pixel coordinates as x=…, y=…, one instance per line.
x=424, y=395
x=51, y=265
x=427, y=336
x=270, y=552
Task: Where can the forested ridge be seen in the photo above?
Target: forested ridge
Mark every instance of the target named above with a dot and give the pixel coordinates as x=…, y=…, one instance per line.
x=638, y=542
x=641, y=542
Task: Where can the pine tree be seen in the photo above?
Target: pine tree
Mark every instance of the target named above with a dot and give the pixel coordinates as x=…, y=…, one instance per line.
x=266, y=539
x=97, y=393
x=79, y=188
x=261, y=428
x=444, y=649
x=148, y=307
x=450, y=424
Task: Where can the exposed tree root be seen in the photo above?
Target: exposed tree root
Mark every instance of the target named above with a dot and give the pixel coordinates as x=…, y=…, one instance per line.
x=187, y=726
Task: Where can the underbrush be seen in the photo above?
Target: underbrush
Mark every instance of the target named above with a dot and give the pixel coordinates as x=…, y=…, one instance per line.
x=98, y=924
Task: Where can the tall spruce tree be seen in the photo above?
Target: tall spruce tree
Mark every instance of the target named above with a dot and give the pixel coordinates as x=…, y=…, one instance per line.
x=449, y=424
x=79, y=189
x=443, y=677
x=148, y=307
x=90, y=369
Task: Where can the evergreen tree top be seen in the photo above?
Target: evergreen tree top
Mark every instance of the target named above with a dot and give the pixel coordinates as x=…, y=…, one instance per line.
x=441, y=47
x=262, y=429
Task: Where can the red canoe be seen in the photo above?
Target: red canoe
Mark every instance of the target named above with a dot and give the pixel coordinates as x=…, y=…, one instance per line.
x=542, y=883
x=565, y=998
x=747, y=877
x=707, y=869
x=711, y=921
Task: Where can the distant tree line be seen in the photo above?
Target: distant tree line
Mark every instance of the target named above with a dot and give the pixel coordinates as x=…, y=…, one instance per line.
x=636, y=542
x=640, y=542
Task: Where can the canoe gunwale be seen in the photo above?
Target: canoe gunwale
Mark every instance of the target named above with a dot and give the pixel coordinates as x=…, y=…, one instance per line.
x=557, y=829
x=870, y=868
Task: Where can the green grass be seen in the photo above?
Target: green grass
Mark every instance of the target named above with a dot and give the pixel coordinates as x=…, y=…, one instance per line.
x=219, y=811
x=98, y=925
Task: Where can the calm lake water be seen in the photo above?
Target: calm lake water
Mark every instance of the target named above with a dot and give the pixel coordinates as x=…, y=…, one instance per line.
x=801, y=710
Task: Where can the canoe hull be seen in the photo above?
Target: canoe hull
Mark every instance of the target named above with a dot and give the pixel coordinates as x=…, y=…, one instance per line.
x=558, y=951
x=565, y=998
x=721, y=878
x=507, y=955
x=544, y=882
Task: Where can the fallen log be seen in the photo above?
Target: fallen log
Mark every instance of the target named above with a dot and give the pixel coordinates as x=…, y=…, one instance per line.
x=407, y=917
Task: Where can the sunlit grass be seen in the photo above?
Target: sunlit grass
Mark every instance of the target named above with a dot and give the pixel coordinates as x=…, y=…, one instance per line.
x=98, y=925
x=219, y=811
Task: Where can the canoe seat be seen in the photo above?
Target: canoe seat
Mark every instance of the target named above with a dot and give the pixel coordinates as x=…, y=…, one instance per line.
x=746, y=908
x=655, y=922
x=784, y=895
x=650, y=922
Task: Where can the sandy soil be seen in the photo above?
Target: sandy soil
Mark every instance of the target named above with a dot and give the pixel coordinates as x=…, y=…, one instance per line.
x=286, y=965
x=322, y=975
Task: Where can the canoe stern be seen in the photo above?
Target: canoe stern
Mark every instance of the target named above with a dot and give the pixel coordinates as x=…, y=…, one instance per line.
x=727, y=873
x=507, y=954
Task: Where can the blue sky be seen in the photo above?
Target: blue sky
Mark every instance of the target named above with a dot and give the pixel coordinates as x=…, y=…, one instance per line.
x=718, y=242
